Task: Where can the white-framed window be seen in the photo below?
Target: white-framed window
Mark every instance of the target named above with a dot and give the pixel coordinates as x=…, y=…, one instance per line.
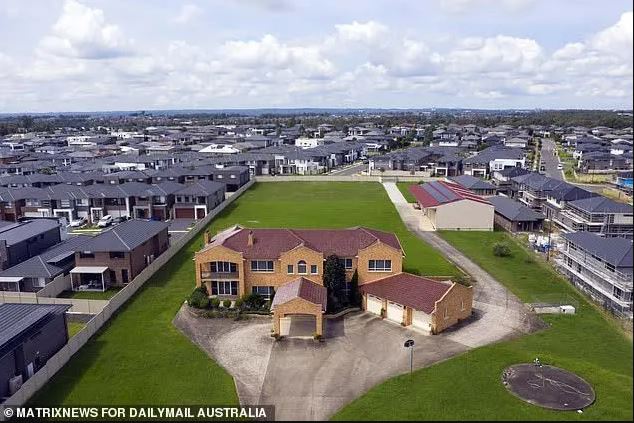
x=313, y=269
x=264, y=291
x=290, y=269
x=380, y=265
x=224, y=288
x=301, y=267
x=261, y=265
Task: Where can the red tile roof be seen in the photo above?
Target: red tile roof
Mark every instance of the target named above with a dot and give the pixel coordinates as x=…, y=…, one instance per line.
x=410, y=290
x=435, y=193
x=271, y=243
x=301, y=288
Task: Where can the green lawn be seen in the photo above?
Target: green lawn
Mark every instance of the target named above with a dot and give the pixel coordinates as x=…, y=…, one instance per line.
x=404, y=188
x=468, y=387
x=140, y=358
x=90, y=295
x=74, y=327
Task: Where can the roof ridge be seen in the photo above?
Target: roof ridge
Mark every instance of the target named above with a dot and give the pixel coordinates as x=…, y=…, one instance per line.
x=44, y=265
x=120, y=239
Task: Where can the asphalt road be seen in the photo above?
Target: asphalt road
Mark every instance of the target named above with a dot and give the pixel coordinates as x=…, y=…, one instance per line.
x=549, y=160
x=352, y=170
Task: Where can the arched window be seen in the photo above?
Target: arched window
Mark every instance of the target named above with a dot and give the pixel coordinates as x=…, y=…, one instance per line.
x=301, y=267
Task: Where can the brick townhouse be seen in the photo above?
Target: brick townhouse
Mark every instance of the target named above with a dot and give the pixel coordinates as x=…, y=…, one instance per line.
x=116, y=256
x=287, y=265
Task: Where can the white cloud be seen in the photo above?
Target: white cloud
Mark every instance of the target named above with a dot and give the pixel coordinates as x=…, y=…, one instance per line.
x=188, y=13
x=368, y=32
x=616, y=39
x=268, y=53
x=83, y=32
x=495, y=54
x=469, y=6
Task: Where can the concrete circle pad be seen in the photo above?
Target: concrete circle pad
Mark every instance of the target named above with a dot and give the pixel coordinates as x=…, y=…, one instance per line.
x=548, y=386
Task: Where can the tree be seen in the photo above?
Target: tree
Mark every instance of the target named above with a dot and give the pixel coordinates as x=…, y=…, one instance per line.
x=334, y=281
x=354, y=297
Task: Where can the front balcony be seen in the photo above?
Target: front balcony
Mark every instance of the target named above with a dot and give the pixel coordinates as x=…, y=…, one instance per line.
x=206, y=275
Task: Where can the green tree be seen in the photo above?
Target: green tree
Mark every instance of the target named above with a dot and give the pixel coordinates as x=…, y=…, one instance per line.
x=354, y=297
x=334, y=281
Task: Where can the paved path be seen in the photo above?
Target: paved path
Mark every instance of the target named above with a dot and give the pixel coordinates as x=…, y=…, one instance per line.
x=350, y=170
x=500, y=314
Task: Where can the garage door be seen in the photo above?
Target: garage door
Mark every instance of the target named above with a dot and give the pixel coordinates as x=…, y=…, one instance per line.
x=184, y=213
x=374, y=305
x=394, y=312
x=421, y=320
x=298, y=325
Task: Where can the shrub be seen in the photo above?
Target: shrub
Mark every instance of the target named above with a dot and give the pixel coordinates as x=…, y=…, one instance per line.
x=501, y=249
x=266, y=306
x=239, y=303
x=253, y=301
x=226, y=303
x=199, y=298
x=215, y=302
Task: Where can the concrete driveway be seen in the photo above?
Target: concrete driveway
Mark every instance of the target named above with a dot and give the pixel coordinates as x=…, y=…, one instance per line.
x=308, y=380
x=500, y=314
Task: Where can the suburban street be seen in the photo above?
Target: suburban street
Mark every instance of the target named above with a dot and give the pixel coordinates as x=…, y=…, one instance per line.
x=352, y=170
x=549, y=160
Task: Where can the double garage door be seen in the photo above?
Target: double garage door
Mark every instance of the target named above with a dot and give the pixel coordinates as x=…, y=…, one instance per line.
x=394, y=311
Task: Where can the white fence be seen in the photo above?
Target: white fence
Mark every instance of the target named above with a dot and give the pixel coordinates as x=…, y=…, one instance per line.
x=55, y=363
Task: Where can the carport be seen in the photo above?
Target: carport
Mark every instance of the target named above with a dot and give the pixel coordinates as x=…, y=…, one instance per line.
x=298, y=308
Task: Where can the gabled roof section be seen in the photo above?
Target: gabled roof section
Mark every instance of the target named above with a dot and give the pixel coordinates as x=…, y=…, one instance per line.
x=301, y=288
x=125, y=236
x=616, y=251
x=436, y=193
x=409, y=290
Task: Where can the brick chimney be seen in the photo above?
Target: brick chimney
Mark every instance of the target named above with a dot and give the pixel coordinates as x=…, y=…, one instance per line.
x=250, y=240
x=206, y=237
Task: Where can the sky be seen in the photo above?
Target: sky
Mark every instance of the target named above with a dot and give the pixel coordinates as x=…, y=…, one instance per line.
x=94, y=55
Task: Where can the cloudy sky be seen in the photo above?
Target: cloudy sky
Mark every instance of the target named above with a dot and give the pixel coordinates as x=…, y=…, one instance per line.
x=81, y=55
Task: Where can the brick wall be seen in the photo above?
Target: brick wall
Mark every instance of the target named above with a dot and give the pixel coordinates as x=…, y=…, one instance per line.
x=457, y=302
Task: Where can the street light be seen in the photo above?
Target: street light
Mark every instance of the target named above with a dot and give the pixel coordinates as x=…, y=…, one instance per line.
x=410, y=344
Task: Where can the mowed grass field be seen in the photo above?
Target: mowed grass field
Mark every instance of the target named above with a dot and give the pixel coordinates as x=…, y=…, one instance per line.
x=140, y=358
x=468, y=387
x=404, y=188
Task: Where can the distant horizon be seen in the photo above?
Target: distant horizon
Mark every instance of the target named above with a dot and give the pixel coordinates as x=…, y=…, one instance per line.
x=290, y=109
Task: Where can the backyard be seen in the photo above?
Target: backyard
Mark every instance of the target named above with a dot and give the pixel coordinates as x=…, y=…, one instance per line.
x=90, y=295
x=468, y=387
x=130, y=360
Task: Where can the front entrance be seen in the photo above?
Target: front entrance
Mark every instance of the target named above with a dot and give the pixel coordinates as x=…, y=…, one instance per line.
x=300, y=325
x=96, y=214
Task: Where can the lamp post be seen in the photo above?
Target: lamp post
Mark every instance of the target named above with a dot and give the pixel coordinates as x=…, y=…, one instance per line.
x=410, y=344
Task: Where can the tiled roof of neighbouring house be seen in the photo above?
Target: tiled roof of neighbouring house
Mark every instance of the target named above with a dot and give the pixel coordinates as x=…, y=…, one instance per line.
x=124, y=237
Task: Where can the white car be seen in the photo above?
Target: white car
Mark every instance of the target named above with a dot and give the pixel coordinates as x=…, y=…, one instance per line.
x=105, y=221
x=78, y=222
x=560, y=166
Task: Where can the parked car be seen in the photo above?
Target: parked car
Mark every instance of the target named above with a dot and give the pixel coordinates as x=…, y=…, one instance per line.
x=77, y=223
x=105, y=221
x=119, y=219
x=560, y=166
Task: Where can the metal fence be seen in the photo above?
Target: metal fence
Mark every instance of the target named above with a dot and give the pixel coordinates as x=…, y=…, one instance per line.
x=56, y=362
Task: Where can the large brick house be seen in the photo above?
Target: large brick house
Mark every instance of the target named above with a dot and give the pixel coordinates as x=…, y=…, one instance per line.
x=287, y=264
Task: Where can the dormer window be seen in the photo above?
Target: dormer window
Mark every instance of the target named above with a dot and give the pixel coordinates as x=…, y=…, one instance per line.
x=301, y=267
